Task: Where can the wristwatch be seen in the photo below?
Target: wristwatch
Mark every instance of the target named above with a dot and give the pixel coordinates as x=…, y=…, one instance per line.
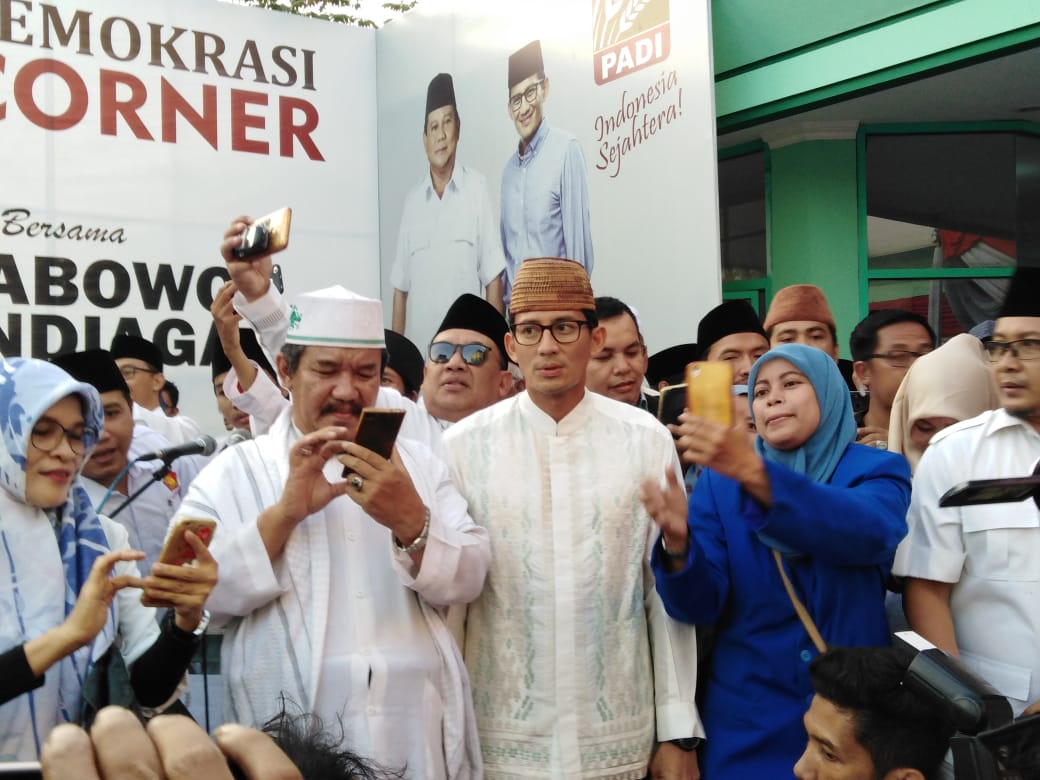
x=676, y=555
x=194, y=635
x=689, y=744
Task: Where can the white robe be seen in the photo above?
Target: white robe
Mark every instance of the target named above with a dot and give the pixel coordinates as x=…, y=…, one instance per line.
x=576, y=668
x=281, y=622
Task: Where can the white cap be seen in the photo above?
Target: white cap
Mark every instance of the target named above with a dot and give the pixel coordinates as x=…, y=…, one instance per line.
x=336, y=317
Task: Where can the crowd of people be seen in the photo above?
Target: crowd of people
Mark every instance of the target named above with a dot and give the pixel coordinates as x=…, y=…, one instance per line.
x=542, y=579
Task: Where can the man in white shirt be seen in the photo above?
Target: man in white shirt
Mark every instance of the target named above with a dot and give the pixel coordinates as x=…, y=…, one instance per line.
x=577, y=671
x=448, y=242
x=141, y=364
x=973, y=586
x=333, y=588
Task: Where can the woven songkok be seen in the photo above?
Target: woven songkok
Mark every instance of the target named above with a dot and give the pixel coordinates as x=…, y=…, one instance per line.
x=551, y=284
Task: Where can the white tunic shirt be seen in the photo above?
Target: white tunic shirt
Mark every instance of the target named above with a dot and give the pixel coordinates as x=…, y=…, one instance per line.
x=990, y=552
x=446, y=246
x=341, y=621
x=576, y=668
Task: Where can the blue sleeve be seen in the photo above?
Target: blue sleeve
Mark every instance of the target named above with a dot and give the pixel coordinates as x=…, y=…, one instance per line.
x=574, y=207
x=855, y=524
x=698, y=592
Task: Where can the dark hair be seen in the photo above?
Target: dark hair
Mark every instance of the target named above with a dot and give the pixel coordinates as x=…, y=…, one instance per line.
x=175, y=394
x=293, y=352
x=607, y=308
x=863, y=340
x=895, y=726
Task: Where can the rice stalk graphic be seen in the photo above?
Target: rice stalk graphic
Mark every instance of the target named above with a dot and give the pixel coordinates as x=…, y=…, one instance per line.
x=613, y=18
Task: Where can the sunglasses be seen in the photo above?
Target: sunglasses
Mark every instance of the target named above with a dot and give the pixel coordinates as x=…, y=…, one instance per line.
x=472, y=354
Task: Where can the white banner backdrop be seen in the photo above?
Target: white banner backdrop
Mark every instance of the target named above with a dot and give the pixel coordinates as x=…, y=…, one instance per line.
x=630, y=79
x=131, y=133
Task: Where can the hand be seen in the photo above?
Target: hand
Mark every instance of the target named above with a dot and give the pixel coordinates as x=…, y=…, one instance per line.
x=870, y=435
x=387, y=494
x=251, y=275
x=226, y=319
x=183, y=588
x=172, y=748
x=723, y=448
x=90, y=611
x=306, y=489
x=674, y=763
x=668, y=508
x=1032, y=709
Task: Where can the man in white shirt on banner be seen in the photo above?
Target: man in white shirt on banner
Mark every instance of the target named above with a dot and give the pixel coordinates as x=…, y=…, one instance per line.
x=577, y=671
x=448, y=243
x=973, y=572
x=333, y=588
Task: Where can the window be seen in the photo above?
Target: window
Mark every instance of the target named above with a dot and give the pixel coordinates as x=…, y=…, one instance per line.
x=742, y=223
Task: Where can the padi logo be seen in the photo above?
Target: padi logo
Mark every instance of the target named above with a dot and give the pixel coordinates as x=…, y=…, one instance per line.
x=627, y=36
x=295, y=318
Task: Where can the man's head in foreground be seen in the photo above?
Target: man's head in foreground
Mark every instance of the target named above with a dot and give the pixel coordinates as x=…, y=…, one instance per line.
x=332, y=361
x=553, y=331
x=800, y=314
x=1014, y=350
x=864, y=724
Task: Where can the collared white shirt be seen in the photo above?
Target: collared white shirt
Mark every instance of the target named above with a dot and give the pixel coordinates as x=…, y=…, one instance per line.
x=990, y=552
x=446, y=246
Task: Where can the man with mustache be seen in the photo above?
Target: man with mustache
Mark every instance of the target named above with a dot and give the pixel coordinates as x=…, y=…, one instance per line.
x=577, y=671
x=332, y=586
x=448, y=243
x=972, y=571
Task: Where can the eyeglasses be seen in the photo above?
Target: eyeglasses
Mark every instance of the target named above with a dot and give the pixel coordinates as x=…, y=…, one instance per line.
x=46, y=436
x=528, y=94
x=565, y=332
x=129, y=372
x=898, y=358
x=1020, y=349
x=472, y=354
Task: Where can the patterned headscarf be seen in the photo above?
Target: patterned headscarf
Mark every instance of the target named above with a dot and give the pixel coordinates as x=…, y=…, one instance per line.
x=819, y=455
x=28, y=389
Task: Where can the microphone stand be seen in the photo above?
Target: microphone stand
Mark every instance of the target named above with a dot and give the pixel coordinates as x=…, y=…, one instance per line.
x=157, y=475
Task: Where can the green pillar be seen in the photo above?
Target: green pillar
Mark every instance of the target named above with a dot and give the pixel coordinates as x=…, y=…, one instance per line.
x=813, y=224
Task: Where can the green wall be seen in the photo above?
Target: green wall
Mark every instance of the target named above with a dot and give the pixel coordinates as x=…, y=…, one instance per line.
x=813, y=224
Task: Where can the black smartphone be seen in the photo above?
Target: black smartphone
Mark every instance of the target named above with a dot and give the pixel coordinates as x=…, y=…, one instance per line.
x=20, y=770
x=671, y=403
x=377, y=431
x=276, y=278
x=992, y=491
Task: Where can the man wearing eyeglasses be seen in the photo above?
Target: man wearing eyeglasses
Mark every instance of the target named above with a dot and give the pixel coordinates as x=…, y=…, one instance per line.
x=883, y=346
x=576, y=669
x=141, y=365
x=973, y=586
x=448, y=241
x=545, y=194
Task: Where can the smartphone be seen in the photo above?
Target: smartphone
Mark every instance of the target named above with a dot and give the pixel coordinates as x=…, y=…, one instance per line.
x=992, y=491
x=377, y=431
x=177, y=551
x=20, y=770
x=266, y=235
x=709, y=390
x=670, y=404
x=276, y=278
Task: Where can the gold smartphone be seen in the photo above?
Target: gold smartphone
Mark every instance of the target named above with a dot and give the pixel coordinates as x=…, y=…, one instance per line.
x=266, y=235
x=709, y=390
x=177, y=551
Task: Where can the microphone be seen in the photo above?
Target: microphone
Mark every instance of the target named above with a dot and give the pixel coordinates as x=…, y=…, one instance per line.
x=204, y=445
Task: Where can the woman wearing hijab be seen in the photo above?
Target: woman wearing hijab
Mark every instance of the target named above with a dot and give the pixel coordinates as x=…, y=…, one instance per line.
x=835, y=511
x=64, y=614
x=951, y=384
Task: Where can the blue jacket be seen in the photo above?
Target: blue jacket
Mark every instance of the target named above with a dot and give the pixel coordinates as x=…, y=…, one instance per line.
x=847, y=531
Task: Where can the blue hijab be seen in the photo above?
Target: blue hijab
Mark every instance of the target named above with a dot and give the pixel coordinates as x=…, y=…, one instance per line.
x=819, y=455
